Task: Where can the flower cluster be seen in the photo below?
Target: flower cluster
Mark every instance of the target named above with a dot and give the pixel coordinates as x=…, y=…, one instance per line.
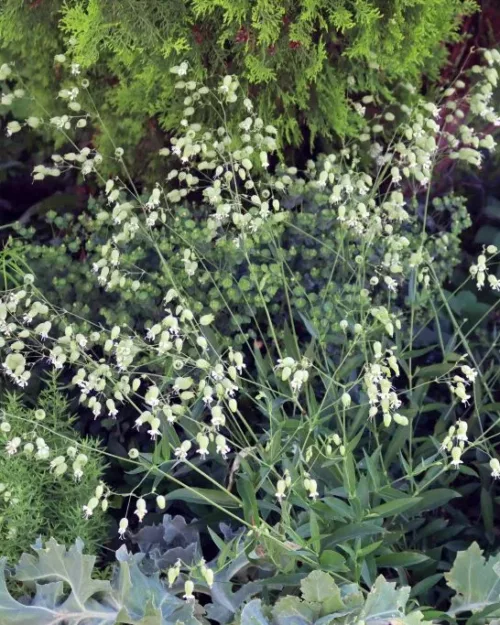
x=459, y=383
x=454, y=442
x=378, y=386
x=479, y=271
x=172, y=371
x=296, y=373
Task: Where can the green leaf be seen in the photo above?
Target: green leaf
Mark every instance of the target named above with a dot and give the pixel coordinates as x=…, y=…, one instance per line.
x=403, y=558
x=475, y=580
x=384, y=601
x=246, y=491
x=391, y=508
x=340, y=507
x=145, y=599
x=48, y=572
x=252, y=614
x=205, y=496
x=416, y=353
x=435, y=371
x=309, y=326
x=425, y=584
x=61, y=590
x=354, y=530
x=366, y=551
x=292, y=610
x=494, y=407
x=319, y=587
x=332, y=561
x=434, y=499
x=480, y=617
x=487, y=511
x=315, y=534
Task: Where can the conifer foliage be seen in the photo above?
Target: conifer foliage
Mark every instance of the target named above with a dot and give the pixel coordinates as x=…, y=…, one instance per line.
x=300, y=60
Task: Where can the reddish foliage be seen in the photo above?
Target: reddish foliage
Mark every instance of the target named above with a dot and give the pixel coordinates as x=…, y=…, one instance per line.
x=482, y=30
x=242, y=36
x=152, y=124
x=197, y=34
x=294, y=45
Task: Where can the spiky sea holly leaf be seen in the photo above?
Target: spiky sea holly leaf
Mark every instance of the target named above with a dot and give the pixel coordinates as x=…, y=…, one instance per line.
x=293, y=611
x=144, y=598
x=48, y=575
x=475, y=580
x=318, y=587
x=352, y=596
x=252, y=614
x=61, y=591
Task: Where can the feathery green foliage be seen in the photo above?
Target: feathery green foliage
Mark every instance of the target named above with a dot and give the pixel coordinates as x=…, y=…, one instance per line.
x=299, y=61
x=34, y=499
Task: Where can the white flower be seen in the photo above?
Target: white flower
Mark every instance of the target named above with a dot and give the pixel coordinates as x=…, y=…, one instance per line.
x=391, y=284
x=155, y=425
x=141, y=509
x=460, y=392
x=12, y=128
x=280, y=489
x=312, y=487
x=462, y=431
x=122, y=528
x=456, y=454
x=87, y=512
x=188, y=590
x=495, y=468
x=218, y=419
x=90, y=507
x=469, y=372
x=221, y=446
x=202, y=440
x=12, y=446
x=182, y=451
x=43, y=329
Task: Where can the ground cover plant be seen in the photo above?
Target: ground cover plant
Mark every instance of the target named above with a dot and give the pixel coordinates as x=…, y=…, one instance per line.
x=281, y=402
x=37, y=502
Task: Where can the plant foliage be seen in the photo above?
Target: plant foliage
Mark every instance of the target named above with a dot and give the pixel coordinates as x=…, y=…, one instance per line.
x=36, y=499
x=59, y=588
x=300, y=61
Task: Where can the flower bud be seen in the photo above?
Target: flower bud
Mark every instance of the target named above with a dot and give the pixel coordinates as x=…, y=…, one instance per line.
x=122, y=527
x=133, y=453
x=346, y=400
x=208, y=575
x=400, y=419
x=161, y=502
x=188, y=590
